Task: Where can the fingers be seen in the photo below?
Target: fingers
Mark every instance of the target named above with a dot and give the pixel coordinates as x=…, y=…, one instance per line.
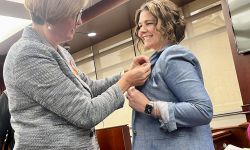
x=147, y=73
x=140, y=60
x=147, y=67
x=147, y=60
x=138, y=75
x=127, y=96
x=143, y=59
x=147, y=70
x=130, y=91
x=142, y=74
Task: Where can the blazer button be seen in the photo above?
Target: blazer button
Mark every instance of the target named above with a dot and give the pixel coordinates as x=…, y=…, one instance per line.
x=134, y=132
x=92, y=132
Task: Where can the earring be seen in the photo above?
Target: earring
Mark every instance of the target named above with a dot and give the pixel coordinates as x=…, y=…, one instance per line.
x=50, y=27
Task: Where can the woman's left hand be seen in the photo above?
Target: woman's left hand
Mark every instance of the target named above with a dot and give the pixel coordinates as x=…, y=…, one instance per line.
x=137, y=100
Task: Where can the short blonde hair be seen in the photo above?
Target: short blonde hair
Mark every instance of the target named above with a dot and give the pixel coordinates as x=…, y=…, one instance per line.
x=172, y=22
x=51, y=11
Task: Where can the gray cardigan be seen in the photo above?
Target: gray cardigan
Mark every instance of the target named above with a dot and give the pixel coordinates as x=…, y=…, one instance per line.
x=50, y=108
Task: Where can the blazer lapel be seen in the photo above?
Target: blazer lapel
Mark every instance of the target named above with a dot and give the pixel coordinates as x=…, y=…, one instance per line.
x=32, y=34
x=67, y=71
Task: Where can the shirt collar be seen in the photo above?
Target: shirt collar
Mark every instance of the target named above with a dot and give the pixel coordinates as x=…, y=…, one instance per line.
x=154, y=57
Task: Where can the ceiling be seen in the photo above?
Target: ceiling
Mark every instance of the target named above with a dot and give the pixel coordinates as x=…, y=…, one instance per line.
x=105, y=17
x=109, y=19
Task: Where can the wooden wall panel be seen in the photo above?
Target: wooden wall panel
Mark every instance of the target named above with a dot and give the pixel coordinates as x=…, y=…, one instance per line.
x=114, y=138
x=241, y=61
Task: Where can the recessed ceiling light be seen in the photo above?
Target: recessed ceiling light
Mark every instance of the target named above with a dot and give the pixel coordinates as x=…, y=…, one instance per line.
x=91, y=34
x=17, y=1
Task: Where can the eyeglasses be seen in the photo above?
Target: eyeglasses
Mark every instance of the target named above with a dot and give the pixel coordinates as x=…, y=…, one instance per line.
x=79, y=16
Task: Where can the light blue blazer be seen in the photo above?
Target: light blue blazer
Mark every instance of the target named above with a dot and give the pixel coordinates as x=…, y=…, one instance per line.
x=176, y=78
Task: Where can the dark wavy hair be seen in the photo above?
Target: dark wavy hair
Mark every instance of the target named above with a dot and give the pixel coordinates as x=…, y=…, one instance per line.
x=172, y=21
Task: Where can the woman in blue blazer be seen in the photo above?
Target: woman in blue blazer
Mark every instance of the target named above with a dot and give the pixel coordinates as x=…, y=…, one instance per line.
x=172, y=110
x=53, y=105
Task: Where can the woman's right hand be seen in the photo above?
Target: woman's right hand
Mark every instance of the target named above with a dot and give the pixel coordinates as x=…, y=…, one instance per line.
x=139, y=60
x=135, y=77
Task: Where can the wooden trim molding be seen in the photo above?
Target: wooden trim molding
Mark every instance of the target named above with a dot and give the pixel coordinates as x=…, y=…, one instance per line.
x=231, y=114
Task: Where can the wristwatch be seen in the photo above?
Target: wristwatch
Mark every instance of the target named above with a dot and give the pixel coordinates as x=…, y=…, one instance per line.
x=148, y=109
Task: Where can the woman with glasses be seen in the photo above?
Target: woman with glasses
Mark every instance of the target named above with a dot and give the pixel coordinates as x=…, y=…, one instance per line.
x=172, y=110
x=53, y=105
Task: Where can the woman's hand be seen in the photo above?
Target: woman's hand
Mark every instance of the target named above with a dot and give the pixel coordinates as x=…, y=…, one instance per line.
x=137, y=100
x=135, y=77
x=138, y=61
x=138, y=75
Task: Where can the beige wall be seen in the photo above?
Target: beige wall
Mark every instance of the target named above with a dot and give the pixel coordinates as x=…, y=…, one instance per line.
x=111, y=57
x=206, y=37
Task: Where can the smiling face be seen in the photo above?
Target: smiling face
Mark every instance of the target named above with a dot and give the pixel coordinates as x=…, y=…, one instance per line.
x=149, y=31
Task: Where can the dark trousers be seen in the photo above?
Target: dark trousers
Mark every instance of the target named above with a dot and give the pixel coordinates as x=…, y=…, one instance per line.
x=6, y=131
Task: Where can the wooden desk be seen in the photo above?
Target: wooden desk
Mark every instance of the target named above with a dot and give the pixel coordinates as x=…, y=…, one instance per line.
x=114, y=138
x=235, y=135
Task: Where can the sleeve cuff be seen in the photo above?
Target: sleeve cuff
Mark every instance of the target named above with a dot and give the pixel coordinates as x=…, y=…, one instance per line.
x=167, y=116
